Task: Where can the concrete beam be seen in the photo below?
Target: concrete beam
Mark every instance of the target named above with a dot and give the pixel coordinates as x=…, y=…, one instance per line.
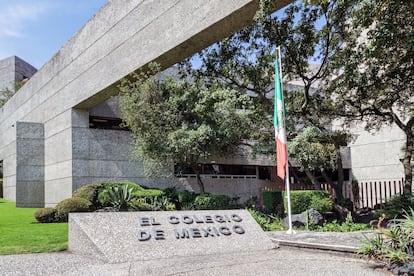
x=211, y=22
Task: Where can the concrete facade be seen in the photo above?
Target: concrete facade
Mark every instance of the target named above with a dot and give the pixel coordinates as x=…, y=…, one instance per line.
x=375, y=156
x=55, y=104
x=14, y=69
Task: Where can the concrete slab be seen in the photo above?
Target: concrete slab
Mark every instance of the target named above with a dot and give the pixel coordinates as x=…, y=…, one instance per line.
x=284, y=261
x=137, y=236
x=348, y=242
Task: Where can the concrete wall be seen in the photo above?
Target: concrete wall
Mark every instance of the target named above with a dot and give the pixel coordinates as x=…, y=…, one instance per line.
x=121, y=38
x=14, y=69
x=30, y=190
x=245, y=189
x=8, y=155
x=23, y=69
x=375, y=157
x=7, y=75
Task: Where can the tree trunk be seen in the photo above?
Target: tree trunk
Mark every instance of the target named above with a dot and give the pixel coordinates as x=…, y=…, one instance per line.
x=406, y=161
x=338, y=186
x=337, y=189
x=199, y=181
x=294, y=174
x=313, y=179
x=194, y=166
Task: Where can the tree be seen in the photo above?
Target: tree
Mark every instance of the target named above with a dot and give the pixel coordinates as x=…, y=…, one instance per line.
x=317, y=150
x=245, y=61
x=181, y=121
x=308, y=149
x=377, y=82
x=6, y=93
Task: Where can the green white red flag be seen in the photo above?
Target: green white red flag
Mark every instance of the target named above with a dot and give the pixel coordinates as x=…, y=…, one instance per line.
x=280, y=136
x=279, y=123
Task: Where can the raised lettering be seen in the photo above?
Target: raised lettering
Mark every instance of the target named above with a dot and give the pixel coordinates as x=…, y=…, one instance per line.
x=144, y=221
x=187, y=220
x=143, y=235
x=197, y=220
x=207, y=232
x=154, y=222
x=227, y=218
x=225, y=231
x=159, y=235
x=236, y=218
x=173, y=220
x=181, y=235
x=216, y=231
x=195, y=232
x=208, y=219
x=238, y=229
x=219, y=218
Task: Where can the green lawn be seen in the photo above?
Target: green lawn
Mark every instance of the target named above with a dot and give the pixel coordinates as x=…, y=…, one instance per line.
x=21, y=233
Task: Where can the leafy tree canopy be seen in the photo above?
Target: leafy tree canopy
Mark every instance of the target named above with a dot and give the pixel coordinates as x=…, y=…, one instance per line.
x=377, y=80
x=181, y=121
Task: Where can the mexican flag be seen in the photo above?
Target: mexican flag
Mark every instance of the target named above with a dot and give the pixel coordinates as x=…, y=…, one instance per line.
x=279, y=123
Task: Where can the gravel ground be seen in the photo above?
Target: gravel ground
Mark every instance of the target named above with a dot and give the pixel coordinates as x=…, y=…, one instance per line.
x=282, y=261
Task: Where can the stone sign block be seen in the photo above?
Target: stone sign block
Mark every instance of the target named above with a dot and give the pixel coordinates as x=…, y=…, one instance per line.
x=128, y=236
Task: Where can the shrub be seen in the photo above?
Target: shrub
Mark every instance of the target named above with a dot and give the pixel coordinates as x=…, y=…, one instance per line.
x=1, y=187
x=261, y=219
x=394, y=245
x=69, y=205
x=103, y=197
x=267, y=222
x=396, y=206
x=140, y=205
x=149, y=193
x=211, y=202
x=90, y=192
x=45, y=215
x=118, y=196
x=347, y=226
x=304, y=200
x=161, y=203
x=186, y=198
x=172, y=195
x=272, y=201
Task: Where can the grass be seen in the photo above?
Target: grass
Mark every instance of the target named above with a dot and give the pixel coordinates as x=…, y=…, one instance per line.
x=21, y=233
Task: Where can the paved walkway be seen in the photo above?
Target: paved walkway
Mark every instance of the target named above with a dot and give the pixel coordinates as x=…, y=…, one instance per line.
x=285, y=260
x=332, y=241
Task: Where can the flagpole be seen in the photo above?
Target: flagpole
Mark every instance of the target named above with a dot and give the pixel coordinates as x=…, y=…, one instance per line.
x=287, y=176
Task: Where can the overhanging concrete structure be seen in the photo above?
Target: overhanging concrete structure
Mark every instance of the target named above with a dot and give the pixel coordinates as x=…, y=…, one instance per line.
x=46, y=145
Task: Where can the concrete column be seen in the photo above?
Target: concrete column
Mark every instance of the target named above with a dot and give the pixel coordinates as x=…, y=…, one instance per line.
x=8, y=155
x=58, y=158
x=30, y=164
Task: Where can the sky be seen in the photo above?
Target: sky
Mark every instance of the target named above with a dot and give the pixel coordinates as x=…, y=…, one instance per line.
x=35, y=30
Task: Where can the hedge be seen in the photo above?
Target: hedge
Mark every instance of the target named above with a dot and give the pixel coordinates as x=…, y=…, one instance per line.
x=305, y=199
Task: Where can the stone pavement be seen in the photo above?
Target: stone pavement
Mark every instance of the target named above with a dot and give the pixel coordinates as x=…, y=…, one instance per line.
x=285, y=260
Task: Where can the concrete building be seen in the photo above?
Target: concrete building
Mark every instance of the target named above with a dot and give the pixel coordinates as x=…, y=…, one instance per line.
x=58, y=132
x=14, y=69
x=47, y=147
x=14, y=72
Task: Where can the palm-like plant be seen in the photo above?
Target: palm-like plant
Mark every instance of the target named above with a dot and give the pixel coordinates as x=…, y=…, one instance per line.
x=119, y=197
x=394, y=245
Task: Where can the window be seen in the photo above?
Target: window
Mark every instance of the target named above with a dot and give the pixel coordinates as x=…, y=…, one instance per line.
x=106, y=123
x=217, y=171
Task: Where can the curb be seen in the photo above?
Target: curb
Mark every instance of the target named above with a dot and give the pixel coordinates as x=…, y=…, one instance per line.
x=317, y=246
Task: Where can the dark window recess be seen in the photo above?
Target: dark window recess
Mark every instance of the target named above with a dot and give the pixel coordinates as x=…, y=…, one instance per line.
x=334, y=175
x=106, y=123
x=216, y=169
x=302, y=178
x=265, y=173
